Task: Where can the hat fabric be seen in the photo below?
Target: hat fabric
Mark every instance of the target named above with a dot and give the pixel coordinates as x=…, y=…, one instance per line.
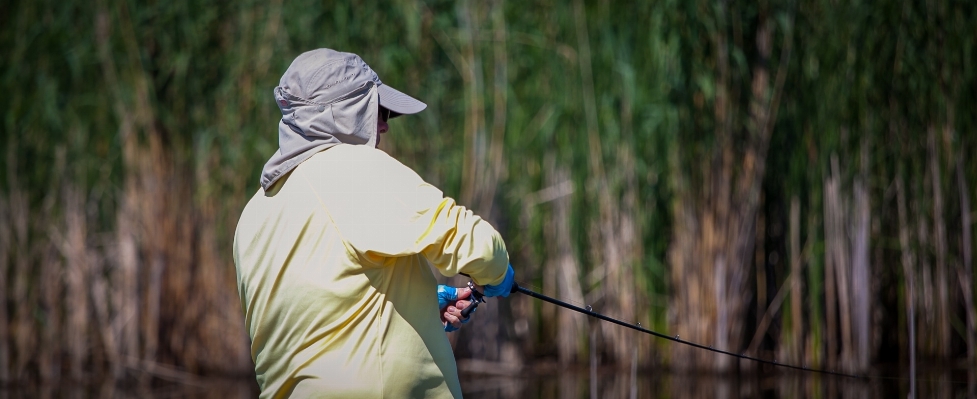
x=324, y=75
x=328, y=98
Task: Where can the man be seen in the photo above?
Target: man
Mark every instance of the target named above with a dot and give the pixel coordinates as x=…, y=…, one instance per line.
x=333, y=252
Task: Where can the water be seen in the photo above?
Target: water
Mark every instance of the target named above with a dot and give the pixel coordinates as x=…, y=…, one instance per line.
x=933, y=382
x=204, y=388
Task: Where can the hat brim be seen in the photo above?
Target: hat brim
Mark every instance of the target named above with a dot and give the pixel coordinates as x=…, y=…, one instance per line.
x=398, y=102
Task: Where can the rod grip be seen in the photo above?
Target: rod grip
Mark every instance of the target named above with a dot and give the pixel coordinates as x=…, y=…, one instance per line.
x=466, y=312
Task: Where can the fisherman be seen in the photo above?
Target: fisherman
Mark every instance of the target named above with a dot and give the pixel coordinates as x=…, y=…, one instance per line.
x=334, y=251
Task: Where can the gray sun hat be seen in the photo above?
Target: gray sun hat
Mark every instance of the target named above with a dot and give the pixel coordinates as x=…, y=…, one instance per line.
x=324, y=75
x=329, y=98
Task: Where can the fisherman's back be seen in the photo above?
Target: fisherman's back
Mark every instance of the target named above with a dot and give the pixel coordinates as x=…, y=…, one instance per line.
x=328, y=318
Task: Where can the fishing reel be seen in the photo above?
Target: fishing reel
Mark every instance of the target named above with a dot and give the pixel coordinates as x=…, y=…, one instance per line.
x=476, y=298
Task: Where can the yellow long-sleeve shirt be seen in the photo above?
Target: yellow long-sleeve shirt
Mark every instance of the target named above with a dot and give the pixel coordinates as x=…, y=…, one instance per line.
x=333, y=270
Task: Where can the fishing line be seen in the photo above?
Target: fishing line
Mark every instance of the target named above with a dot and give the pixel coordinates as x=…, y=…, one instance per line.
x=479, y=298
x=591, y=313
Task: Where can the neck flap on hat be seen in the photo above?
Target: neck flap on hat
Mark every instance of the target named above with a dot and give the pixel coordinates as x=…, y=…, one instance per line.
x=308, y=127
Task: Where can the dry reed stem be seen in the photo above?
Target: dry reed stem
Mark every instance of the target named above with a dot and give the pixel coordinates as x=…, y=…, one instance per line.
x=837, y=253
x=471, y=73
x=495, y=160
x=830, y=270
x=125, y=281
x=861, y=281
x=618, y=254
x=792, y=351
x=927, y=309
x=847, y=252
x=5, y=235
x=909, y=267
x=965, y=271
x=77, y=270
x=51, y=282
x=564, y=266
x=21, y=328
x=941, y=275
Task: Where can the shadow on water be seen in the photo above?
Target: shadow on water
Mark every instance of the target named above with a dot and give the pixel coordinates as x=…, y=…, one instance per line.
x=932, y=382
x=231, y=388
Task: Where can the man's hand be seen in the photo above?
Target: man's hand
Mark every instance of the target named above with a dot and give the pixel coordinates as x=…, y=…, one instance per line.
x=451, y=302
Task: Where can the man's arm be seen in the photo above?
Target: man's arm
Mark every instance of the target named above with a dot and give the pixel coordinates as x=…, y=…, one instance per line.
x=384, y=209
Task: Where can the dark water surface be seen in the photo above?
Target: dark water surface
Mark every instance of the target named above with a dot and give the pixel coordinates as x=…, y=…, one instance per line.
x=157, y=389
x=932, y=382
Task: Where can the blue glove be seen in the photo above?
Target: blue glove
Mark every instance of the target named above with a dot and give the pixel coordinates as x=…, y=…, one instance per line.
x=504, y=287
x=446, y=295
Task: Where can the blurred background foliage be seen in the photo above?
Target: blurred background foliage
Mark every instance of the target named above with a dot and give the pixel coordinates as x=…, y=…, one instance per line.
x=792, y=179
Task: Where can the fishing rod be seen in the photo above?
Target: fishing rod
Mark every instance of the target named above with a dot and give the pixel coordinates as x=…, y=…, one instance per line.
x=477, y=298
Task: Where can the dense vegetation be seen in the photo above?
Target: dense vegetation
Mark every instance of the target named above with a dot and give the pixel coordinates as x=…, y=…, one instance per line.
x=791, y=179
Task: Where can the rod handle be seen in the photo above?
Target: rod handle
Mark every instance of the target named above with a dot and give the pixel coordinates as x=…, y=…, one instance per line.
x=466, y=312
x=477, y=298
